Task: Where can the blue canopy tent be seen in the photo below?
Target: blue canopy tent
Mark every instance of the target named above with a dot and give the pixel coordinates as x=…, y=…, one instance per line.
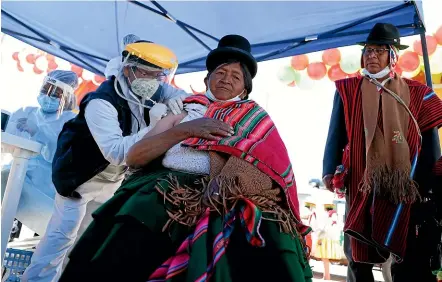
x=88, y=33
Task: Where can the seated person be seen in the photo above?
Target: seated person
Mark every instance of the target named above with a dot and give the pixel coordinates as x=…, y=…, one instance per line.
x=213, y=196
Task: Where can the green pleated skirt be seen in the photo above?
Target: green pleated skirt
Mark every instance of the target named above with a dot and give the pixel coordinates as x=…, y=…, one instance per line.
x=126, y=242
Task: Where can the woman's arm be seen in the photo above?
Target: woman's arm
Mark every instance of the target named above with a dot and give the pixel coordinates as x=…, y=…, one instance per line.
x=157, y=141
x=169, y=132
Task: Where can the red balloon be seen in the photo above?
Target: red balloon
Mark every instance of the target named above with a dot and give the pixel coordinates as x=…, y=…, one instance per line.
x=78, y=70
x=292, y=84
x=52, y=65
x=356, y=74
x=316, y=70
x=37, y=70
x=331, y=57
x=409, y=61
x=335, y=73
x=299, y=62
x=438, y=35
x=31, y=59
x=431, y=45
x=19, y=67
x=15, y=56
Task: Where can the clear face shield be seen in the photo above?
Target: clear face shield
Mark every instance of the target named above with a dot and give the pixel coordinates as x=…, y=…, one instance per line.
x=53, y=95
x=148, y=66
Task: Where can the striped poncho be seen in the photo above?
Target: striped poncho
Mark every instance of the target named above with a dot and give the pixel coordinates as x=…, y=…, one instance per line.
x=379, y=227
x=256, y=140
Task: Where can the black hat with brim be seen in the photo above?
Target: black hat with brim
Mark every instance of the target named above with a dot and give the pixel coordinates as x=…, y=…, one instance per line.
x=384, y=34
x=232, y=47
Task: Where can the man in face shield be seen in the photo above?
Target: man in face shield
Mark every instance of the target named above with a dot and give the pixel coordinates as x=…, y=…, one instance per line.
x=90, y=161
x=42, y=124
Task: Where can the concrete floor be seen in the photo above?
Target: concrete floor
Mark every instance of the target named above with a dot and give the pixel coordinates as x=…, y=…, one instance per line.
x=338, y=272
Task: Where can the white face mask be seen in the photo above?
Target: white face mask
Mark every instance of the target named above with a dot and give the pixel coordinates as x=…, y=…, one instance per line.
x=144, y=87
x=211, y=97
x=378, y=75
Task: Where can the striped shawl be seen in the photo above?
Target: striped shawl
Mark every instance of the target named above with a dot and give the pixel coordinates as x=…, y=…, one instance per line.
x=256, y=140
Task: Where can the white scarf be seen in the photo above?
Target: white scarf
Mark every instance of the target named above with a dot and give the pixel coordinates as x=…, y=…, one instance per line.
x=212, y=97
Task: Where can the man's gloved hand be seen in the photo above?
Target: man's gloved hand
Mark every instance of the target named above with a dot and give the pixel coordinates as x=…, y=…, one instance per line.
x=157, y=112
x=175, y=104
x=24, y=124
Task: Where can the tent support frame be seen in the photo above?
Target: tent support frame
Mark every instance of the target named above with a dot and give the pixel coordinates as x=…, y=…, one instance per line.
x=185, y=27
x=426, y=60
x=338, y=32
x=46, y=40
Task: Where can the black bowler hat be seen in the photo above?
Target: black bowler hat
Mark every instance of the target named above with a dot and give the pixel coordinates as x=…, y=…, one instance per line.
x=384, y=34
x=232, y=47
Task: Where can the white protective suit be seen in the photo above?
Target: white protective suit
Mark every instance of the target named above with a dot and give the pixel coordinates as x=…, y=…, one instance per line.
x=37, y=198
x=71, y=217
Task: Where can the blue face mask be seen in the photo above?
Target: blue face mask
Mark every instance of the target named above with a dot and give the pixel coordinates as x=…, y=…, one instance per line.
x=48, y=104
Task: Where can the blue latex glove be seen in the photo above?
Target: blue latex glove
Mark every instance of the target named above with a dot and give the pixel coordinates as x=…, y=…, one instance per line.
x=24, y=124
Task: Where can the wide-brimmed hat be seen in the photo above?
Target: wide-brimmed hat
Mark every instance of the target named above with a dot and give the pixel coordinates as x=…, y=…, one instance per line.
x=384, y=34
x=232, y=47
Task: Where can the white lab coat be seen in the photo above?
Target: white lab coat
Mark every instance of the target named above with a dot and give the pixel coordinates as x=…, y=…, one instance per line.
x=71, y=217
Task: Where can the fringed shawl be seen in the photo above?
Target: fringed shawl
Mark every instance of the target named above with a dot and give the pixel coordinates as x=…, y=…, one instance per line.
x=377, y=225
x=256, y=140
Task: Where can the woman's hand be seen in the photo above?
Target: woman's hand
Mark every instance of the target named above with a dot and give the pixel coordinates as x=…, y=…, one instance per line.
x=206, y=128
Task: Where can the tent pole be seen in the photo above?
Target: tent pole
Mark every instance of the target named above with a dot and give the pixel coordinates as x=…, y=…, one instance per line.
x=426, y=60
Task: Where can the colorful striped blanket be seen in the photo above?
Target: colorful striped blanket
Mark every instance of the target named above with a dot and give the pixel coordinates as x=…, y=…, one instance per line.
x=256, y=140
x=250, y=217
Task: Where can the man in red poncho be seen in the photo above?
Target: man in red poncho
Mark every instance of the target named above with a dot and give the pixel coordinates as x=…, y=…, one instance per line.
x=381, y=148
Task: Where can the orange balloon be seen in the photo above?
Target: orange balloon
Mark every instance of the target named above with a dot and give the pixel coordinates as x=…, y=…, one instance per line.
x=50, y=58
x=316, y=70
x=299, y=62
x=409, y=61
x=438, y=35
x=173, y=83
x=431, y=45
x=331, y=57
x=196, y=92
x=420, y=77
x=335, y=73
x=78, y=70
x=84, y=88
